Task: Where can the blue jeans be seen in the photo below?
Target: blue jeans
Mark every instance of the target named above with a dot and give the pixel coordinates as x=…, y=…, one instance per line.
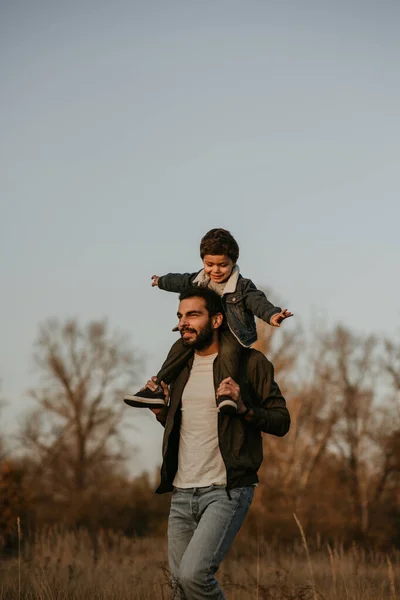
x=202, y=525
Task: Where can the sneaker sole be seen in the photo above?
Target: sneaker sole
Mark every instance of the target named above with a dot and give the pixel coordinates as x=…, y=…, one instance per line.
x=229, y=405
x=143, y=403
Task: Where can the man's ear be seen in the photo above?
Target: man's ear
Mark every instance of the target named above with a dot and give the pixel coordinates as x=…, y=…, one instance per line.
x=217, y=320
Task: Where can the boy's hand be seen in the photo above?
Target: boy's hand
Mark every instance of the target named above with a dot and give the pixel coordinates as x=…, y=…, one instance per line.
x=155, y=279
x=277, y=319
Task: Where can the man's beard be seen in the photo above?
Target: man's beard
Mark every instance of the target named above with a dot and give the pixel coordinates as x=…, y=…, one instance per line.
x=203, y=339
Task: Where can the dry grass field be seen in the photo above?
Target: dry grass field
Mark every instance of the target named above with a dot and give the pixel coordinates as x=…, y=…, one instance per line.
x=61, y=566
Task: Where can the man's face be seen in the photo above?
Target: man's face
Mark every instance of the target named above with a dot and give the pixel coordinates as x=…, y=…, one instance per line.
x=195, y=324
x=218, y=267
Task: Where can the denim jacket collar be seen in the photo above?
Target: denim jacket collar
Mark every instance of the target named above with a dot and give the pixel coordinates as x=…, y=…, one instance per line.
x=202, y=279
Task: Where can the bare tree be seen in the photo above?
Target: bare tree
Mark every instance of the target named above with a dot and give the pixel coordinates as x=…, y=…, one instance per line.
x=74, y=436
x=391, y=363
x=312, y=415
x=2, y=441
x=351, y=366
x=282, y=348
x=390, y=437
x=337, y=418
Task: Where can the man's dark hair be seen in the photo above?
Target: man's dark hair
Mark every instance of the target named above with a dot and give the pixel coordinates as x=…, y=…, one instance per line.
x=219, y=241
x=212, y=300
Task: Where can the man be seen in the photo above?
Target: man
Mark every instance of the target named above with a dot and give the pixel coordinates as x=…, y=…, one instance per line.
x=210, y=459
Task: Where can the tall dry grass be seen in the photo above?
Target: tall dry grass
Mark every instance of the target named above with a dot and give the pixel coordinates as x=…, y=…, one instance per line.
x=60, y=566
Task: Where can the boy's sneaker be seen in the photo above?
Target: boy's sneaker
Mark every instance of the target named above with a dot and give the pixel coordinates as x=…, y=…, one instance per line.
x=146, y=398
x=226, y=405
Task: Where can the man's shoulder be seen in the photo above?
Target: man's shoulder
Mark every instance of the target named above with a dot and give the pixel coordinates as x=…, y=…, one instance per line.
x=255, y=357
x=256, y=368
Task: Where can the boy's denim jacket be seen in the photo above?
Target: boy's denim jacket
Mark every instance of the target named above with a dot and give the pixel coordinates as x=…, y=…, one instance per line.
x=242, y=301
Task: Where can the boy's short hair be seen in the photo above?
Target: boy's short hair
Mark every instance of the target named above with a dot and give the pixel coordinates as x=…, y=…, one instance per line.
x=219, y=241
x=212, y=300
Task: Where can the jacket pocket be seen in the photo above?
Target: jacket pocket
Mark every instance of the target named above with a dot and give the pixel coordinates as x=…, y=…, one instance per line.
x=234, y=302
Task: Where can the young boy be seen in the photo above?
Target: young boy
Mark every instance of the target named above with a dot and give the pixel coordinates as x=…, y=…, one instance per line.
x=241, y=301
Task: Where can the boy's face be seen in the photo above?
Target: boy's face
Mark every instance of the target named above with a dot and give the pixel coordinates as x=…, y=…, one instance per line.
x=218, y=267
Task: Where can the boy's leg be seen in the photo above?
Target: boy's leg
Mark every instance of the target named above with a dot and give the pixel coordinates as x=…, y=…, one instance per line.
x=177, y=358
x=173, y=364
x=219, y=520
x=229, y=366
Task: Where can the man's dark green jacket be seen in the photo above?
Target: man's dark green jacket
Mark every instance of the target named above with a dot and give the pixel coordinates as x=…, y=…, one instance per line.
x=240, y=439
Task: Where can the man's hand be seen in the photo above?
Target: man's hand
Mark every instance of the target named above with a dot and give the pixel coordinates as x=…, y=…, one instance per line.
x=229, y=387
x=155, y=279
x=152, y=385
x=277, y=319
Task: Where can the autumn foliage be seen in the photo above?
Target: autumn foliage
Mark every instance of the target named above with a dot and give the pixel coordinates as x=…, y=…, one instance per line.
x=338, y=469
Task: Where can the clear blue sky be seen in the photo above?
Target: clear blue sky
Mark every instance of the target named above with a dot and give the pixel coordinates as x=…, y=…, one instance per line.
x=128, y=129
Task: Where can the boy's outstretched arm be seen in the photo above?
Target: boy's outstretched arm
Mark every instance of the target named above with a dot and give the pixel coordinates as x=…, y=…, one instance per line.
x=257, y=302
x=173, y=282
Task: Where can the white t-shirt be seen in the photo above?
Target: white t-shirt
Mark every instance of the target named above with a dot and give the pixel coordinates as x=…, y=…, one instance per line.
x=200, y=462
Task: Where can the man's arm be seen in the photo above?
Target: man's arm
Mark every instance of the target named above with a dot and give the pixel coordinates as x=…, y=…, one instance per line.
x=268, y=410
x=260, y=402
x=175, y=282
